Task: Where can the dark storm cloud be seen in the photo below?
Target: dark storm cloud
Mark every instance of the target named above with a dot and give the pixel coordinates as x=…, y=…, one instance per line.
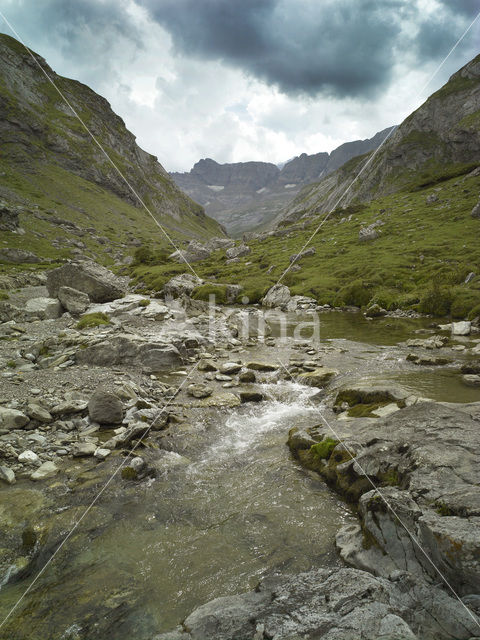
x=343, y=47
x=82, y=30
x=338, y=47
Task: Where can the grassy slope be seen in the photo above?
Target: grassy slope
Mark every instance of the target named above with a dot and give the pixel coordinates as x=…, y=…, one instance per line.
x=49, y=165
x=389, y=270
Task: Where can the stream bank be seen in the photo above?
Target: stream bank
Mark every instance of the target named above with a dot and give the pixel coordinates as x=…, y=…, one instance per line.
x=213, y=503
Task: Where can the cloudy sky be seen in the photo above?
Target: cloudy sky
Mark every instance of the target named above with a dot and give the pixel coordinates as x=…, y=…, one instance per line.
x=238, y=80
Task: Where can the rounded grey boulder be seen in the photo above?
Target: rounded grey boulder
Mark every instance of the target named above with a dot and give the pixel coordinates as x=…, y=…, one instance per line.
x=105, y=408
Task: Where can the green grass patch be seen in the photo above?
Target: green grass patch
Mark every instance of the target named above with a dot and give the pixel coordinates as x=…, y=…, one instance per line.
x=90, y=320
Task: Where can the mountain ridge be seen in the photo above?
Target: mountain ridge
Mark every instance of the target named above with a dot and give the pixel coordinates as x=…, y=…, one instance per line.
x=50, y=164
x=244, y=196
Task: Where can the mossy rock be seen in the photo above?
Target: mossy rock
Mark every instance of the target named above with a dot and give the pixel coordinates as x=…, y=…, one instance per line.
x=204, y=291
x=324, y=448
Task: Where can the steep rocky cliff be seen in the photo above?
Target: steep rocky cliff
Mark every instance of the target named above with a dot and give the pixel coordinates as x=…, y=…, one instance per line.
x=442, y=137
x=52, y=168
x=247, y=195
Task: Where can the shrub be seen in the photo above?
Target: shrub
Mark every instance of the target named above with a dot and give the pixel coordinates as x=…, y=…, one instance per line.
x=463, y=302
x=144, y=303
x=437, y=301
x=93, y=320
x=356, y=293
x=4, y=295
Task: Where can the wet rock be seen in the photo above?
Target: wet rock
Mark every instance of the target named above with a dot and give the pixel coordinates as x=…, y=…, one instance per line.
x=375, y=311
x=435, y=342
x=230, y=367
x=471, y=380
x=74, y=301
x=461, y=328
x=262, y=366
x=182, y=284
x=318, y=378
x=102, y=453
x=43, y=308
x=251, y=396
x=334, y=604
x=36, y=412
x=105, y=408
x=83, y=449
x=220, y=400
x=199, y=390
x=133, y=471
x=238, y=251
x=46, y=470
x=7, y=475
x=206, y=365
x=12, y=419
x=427, y=361
x=100, y=284
x=247, y=376
x=277, y=296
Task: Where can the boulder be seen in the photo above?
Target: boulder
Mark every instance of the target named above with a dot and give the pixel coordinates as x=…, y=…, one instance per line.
x=461, y=328
x=296, y=257
x=100, y=284
x=73, y=300
x=105, y=408
x=476, y=210
x=83, y=449
x=471, y=380
x=230, y=367
x=199, y=390
x=367, y=234
x=320, y=377
x=18, y=256
x=183, y=284
x=46, y=470
x=262, y=366
x=12, y=419
x=43, y=308
x=7, y=475
x=238, y=251
x=251, y=396
x=194, y=252
x=375, y=311
x=277, y=296
x=220, y=243
x=36, y=412
x=128, y=350
x=247, y=376
x=28, y=457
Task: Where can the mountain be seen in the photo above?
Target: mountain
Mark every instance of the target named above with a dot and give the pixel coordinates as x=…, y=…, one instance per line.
x=442, y=137
x=247, y=195
x=407, y=237
x=60, y=185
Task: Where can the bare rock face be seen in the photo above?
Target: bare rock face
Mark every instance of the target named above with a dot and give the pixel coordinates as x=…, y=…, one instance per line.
x=8, y=218
x=332, y=604
x=18, y=256
x=100, y=284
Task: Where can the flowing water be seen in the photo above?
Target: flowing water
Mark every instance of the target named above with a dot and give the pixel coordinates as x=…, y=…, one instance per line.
x=150, y=552
x=145, y=558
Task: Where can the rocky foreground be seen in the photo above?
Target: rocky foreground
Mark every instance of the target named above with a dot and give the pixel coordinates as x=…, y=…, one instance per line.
x=86, y=370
